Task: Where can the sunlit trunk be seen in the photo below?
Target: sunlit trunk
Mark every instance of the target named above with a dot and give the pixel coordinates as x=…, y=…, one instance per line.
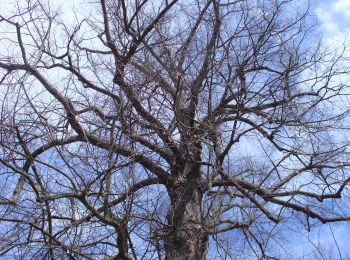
x=186, y=237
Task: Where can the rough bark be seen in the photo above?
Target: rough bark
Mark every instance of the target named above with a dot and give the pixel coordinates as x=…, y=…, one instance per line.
x=186, y=237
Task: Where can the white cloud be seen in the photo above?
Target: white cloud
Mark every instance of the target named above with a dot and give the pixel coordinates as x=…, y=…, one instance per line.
x=343, y=7
x=334, y=20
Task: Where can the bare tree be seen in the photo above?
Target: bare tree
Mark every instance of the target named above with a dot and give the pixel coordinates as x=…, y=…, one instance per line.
x=177, y=129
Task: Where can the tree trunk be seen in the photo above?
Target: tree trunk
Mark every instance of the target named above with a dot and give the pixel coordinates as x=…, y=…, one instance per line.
x=186, y=237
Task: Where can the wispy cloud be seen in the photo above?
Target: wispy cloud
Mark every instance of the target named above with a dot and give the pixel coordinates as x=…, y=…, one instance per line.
x=342, y=7
x=334, y=17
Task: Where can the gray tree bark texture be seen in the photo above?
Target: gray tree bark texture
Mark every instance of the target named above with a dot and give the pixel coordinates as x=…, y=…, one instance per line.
x=186, y=238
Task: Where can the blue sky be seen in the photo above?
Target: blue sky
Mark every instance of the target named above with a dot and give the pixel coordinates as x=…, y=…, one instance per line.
x=334, y=25
x=334, y=18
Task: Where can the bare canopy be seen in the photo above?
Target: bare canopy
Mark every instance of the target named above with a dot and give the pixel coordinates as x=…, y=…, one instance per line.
x=167, y=129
